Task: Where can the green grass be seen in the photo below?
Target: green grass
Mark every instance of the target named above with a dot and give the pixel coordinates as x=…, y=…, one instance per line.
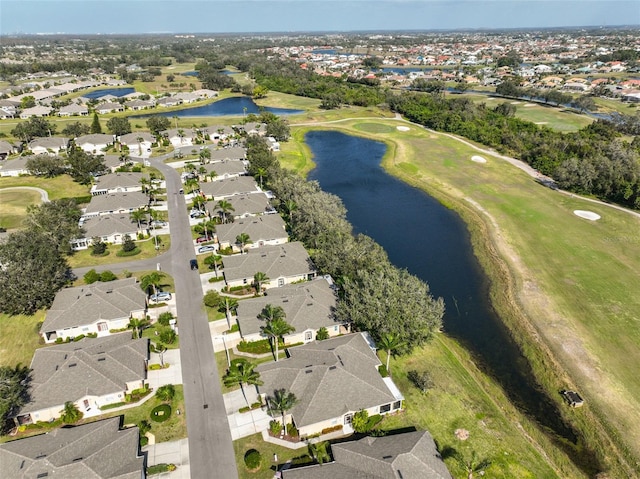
x=267, y=450
x=147, y=250
x=570, y=281
x=14, y=206
x=19, y=338
x=463, y=398
x=59, y=187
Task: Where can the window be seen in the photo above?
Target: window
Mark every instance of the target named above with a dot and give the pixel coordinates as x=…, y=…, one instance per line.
x=335, y=328
x=348, y=418
x=385, y=408
x=102, y=327
x=397, y=405
x=280, y=282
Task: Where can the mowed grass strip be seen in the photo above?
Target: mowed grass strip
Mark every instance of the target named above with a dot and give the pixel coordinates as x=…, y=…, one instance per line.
x=147, y=248
x=19, y=338
x=13, y=206
x=61, y=186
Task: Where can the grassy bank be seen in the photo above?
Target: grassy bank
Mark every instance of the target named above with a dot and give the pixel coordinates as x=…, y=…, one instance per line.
x=147, y=250
x=59, y=187
x=570, y=280
x=19, y=338
x=14, y=206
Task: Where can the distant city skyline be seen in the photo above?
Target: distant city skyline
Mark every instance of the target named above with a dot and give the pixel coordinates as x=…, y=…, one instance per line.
x=244, y=16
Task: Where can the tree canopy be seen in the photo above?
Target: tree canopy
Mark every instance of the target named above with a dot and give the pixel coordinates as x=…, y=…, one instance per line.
x=14, y=392
x=58, y=220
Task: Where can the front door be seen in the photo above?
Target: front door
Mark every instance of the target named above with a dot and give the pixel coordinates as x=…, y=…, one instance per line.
x=348, y=418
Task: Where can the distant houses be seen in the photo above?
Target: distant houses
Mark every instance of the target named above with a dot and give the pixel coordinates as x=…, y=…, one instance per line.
x=111, y=203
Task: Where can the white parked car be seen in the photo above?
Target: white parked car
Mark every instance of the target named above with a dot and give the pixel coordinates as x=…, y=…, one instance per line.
x=206, y=248
x=160, y=296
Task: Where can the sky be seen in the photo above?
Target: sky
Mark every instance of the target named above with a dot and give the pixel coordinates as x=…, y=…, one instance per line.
x=239, y=16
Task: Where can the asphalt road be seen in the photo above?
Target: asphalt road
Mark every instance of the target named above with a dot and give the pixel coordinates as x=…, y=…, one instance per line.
x=211, y=453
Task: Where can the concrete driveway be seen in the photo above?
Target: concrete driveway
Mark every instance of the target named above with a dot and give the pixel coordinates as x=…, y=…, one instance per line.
x=248, y=423
x=170, y=375
x=172, y=452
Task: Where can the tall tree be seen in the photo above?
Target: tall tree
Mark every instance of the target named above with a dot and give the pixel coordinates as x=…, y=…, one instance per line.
x=225, y=207
x=138, y=216
x=45, y=165
x=282, y=401
x=213, y=261
x=138, y=325
x=119, y=125
x=70, y=414
x=34, y=127
x=33, y=271
x=83, y=165
x=58, y=220
x=276, y=329
x=95, y=127
x=243, y=240
x=75, y=129
x=228, y=306
x=14, y=391
x=158, y=123
x=241, y=373
x=259, y=279
x=390, y=343
x=151, y=281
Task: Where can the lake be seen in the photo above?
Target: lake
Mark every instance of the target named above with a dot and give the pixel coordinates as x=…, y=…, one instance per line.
x=109, y=91
x=433, y=243
x=234, y=106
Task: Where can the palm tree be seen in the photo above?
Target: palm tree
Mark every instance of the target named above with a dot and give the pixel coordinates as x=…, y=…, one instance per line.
x=202, y=171
x=206, y=227
x=139, y=140
x=227, y=306
x=290, y=206
x=318, y=451
x=243, y=240
x=282, y=400
x=204, y=155
x=272, y=313
x=160, y=349
x=151, y=280
x=212, y=175
x=259, y=279
x=137, y=216
x=144, y=182
x=390, y=343
x=213, y=261
x=224, y=206
x=181, y=135
x=261, y=173
x=192, y=185
x=70, y=413
x=241, y=373
x=276, y=329
x=473, y=464
x=166, y=393
x=137, y=325
x=199, y=202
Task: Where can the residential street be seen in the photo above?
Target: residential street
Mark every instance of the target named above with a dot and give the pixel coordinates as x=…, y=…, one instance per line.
x=210, y=446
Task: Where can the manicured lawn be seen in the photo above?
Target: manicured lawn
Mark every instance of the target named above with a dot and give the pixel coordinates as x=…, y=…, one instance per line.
x=19, y=338
x=59, y=187
x=14, y=206
x=147, y=250
x=267, y=450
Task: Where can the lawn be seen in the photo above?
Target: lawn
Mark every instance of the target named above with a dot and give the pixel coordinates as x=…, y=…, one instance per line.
x=19, y=338
x=147, y=250
x=59, y=187
x=581, y=298
x=267, y=450
x=14, y=206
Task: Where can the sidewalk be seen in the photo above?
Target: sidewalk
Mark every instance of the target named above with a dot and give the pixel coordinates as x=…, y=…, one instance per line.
x=172, y=452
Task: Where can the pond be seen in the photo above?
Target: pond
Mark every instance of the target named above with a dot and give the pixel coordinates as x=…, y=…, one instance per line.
x=433, y=243
x=234, y=106
x=109, y=91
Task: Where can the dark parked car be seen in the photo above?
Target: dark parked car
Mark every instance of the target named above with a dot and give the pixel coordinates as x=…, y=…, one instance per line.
x=194, y=264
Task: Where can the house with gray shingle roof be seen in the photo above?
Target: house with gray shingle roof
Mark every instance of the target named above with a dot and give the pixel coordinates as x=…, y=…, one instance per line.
x=283, y=264
x=95, y=142
x=6, y=149
x=234, y=153
x=332, y=380
x=94, y=308
x=37, y=110
x=15, y=166
x=225, y=169
x=409, y=455
x=73, y=110
x=308, y=307
x=48, y=145
x=180, y=136
x=225, y=188
x=97, y=450
x=218, y=132
x=264, y=230
x=244, y=206
x=108, y=107
x=91, y=373
x=138, y=142
x=109, y=228
x=120, y=182
x=113, y=162
x=116, y=203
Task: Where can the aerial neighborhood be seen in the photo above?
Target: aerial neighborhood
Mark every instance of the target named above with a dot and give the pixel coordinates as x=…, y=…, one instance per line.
x=178, y=300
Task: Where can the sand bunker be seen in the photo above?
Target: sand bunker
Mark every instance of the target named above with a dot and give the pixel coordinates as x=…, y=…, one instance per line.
x=478, y=159
x=515, y=102
x=587, y=215
x=403, y=128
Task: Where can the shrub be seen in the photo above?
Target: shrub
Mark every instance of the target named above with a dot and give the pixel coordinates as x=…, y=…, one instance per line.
x=160, y=468
x=78, y=338
x=98, y=247
x=128, y=244
x=322, y=334
x=167, y=335
x=127, y=274
x=144, y=426
x=420, y=379
x=275, y=427
x=382, y=369
x=252, y=459
x=215, y=280
x=255, y=347
x=292, y=430
x=59, y=340
x=153, y=367
x=360, y=422
x=112, y=406
x=165, y=317
x=327, y=430
x=144, y=440
x=106, y=276
x=133, y=252
x=161, y=413
x=91, y=276
x=212, y=299
x=166, y=392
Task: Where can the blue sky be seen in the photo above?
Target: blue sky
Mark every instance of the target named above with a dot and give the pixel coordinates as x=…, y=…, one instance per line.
x=224, y=16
